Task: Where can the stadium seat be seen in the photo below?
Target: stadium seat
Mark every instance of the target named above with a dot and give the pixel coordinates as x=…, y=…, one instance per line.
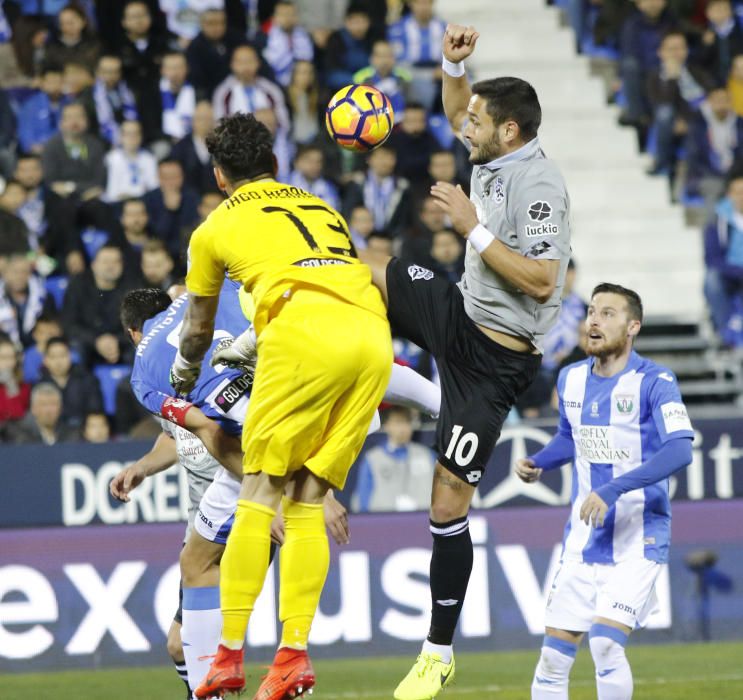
x=56, y=286
x=109, y=377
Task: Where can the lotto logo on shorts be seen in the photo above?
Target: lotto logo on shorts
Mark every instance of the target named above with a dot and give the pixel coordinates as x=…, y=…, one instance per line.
x=417, y=272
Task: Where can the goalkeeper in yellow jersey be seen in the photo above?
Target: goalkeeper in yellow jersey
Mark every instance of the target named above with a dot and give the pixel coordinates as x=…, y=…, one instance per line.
x=324, y=361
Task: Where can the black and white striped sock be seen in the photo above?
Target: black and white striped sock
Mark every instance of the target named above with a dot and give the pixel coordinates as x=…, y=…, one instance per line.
x=180, y=669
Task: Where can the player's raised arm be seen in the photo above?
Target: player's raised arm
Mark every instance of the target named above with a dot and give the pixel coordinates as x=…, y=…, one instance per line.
x=458, y=43
x=162, y=456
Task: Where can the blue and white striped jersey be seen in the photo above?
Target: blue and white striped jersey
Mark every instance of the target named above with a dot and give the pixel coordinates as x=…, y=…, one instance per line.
x=617, y=423
x=221, y=393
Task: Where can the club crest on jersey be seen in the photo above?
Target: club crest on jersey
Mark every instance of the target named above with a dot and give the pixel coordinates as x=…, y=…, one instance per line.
x=499, y=190
x=625, y=403
x=595, y=409
x=417, y=272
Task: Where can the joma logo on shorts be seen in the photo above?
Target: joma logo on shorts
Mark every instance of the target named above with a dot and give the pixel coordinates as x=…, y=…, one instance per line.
x=205, y=520
x=623, y=607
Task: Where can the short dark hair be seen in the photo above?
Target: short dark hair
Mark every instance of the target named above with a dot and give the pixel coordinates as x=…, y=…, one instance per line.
x=674, y=31
x=56, y=340
x=140, y=305
x=396, y=410
x=511, y=98
x=109, y=245
x=634, y=303
x=241, y=147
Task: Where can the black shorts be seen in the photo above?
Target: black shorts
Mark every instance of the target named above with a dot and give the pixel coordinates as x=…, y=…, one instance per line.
x=480, y=379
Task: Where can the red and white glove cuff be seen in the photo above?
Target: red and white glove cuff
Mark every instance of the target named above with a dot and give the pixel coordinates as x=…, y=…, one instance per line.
x=175, y=410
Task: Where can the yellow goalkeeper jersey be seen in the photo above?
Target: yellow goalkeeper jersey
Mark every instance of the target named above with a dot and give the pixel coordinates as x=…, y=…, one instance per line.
x=276, y=239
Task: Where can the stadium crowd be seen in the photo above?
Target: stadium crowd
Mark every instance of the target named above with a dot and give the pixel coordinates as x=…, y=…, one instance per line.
x=679, y=70
x=104, y=110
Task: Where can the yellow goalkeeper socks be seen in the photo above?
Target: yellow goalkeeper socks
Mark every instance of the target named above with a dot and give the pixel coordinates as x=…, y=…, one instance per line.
x=243, y=568
x=304, y=562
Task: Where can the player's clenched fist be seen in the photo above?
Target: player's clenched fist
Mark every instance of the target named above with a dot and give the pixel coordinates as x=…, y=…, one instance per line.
x=526, y=471
x=458, y=42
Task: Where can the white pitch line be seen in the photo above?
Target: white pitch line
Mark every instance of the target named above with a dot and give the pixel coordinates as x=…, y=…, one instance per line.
x=469, y=690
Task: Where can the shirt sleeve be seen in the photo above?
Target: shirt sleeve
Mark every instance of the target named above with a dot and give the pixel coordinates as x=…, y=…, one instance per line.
x=540, y=216
x=151, y=398
x=205, y=270
x=668, y=409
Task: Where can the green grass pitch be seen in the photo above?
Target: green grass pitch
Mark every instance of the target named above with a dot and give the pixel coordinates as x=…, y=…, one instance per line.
x=673, y=672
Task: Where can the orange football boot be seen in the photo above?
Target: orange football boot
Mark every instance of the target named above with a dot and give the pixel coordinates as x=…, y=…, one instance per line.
x=225, y=675
x=291, y=675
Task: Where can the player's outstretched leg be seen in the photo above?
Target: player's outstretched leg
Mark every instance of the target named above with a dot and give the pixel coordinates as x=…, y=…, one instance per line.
x=613, y=673
x=552, y=673
x=304, y=563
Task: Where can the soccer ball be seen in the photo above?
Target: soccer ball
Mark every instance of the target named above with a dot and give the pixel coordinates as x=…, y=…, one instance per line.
x=359, y=117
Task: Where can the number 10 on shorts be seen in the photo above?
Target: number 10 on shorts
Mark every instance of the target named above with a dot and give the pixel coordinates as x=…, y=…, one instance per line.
x=463, y=447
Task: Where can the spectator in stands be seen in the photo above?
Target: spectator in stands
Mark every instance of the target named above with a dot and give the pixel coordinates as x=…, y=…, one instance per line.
x=41, y=113
x=417, y=42
x=23, y=299
x=381, y=191
x=171, y=207
x=379, y=244
x=735, y=85
x=109, y=15
x=75, y=42
x=208, y=55
x=141, y=50
x=8, y=135
x=191, y=151
x=177, y=97
x=723, y=256
x=413, y=142
x=441, y=167
x=157, y=265
x=77, y=84
x=383, y=74
x=14, y=234
x=96, y=428
x=114, y=101
x=639, y=43
x=676, y=89
x=73, y=160
x=91, y=309
x=246, y=91
x=361, y=226
x=131, y=170
x=49, y=218
x=714, y=143
x=307, y=174
x=15, y=394
x=395, y=475
x=208, y=203
x=447, y=254
x=44, y=424
x=182, y=17
x=303, y=97
x=47, y=326
x=81, y=393
x=286, y=42
x=320, y=18
x=722, y=40
x=349, y=48
x=283, y=147
x=134, y=233
x=418, y=239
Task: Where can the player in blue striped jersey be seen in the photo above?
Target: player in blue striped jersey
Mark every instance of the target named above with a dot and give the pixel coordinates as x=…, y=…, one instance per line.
x=624, y=426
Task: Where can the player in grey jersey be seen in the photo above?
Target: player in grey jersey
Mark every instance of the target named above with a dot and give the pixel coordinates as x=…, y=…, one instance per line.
x=486, y=332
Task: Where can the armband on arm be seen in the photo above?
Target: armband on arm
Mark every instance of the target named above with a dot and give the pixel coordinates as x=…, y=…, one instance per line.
x=175, y=410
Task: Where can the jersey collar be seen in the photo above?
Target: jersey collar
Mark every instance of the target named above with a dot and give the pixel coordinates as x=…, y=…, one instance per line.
x=633, y=363
x=528, y=151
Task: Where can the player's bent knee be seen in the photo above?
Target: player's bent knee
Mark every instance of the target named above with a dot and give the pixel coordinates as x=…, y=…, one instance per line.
x=174, y=645
x=199, y=562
